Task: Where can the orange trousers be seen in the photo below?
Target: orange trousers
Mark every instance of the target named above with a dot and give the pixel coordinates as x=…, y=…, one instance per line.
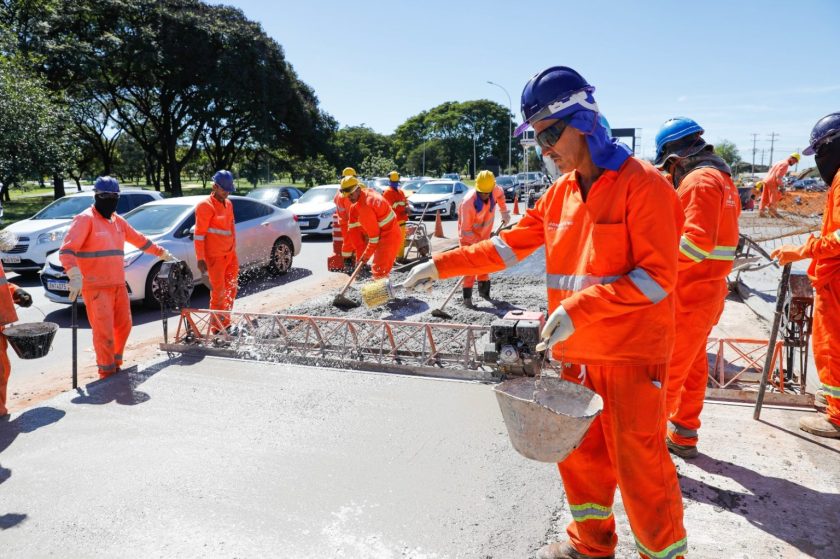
x=469, y=281
x=5, y=371
x=770, y=197
x=826, y=340
x=624, y=448
x=109, y=314
x=223, y=272
x=386, y=253
x=401, y=249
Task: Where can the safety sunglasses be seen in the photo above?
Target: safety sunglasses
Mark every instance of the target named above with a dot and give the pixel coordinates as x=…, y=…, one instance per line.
x=108, y=195
x=550, y=136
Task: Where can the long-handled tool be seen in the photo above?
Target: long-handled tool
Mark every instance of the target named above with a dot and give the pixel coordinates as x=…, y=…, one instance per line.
x=74, y=324
x=439, y=312
x=771, y=345
x=343, y=302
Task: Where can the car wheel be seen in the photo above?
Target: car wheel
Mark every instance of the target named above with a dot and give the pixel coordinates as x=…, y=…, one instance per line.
x=452, y=211
x=282, y=255
x=149, y=300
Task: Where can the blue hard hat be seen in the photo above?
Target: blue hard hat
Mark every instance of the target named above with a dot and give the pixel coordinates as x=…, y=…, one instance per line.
x=554, y=93
x=825, y=130
x=106, y=184
x=225, y=180
x=673, y=130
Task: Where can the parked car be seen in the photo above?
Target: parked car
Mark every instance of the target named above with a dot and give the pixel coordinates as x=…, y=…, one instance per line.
x=532, y=181
x=41, y=234
x=280, y=196
x=509, y=186
x=443, y=195
x=411, y=186
x=265, y=236
x=315, y=209
x=809, y=184
x=451, y=176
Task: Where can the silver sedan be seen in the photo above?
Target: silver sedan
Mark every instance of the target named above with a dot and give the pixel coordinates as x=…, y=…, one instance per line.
x=266, y=236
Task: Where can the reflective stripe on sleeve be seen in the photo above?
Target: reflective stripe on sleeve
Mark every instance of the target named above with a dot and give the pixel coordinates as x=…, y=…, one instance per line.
x=833, y=391
x=723, y=253
x=837, y=234
x=568, y=282
x=399, y=204
x=99, y=253
x=590, y=511
x=670, y=552
x=505, y=252
x=3, y=281
x=346, y=254
x=198, y=237
x=649, y=288
x=373, y=240
x=692, y=251
x=67, y=251
x=352, y=225
x=391, y=216
x=218, y=231
x=146, y=245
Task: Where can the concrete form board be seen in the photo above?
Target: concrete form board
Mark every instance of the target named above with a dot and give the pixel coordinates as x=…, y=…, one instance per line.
x=222, y=458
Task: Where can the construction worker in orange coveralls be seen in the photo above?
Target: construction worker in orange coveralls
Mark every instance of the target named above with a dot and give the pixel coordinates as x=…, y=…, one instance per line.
x=773, y=180
x=10, y=294
x=92, y=254
x=707, y=249
x=351, y=249
x=371, y=215
x=396, y=197
x=824, y=272
x=215, y=244
x=610, y=226
x=475, y=223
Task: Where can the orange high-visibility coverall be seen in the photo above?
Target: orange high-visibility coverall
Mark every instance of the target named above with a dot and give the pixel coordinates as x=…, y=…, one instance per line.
x=215, y=243
x=351, y=245
x=7, y=316
x=95, y=245
x=396, y=197
x=770, y=196
x=707, y=249
x=611, y=261
x=475, y=225
x=373, y=216
x=824, y=272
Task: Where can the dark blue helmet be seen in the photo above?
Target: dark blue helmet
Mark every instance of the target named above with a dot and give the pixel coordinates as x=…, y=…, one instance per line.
x=225, y=180
x=555, y=92
x=674, y=129
x=106, y=184
x=825, y=130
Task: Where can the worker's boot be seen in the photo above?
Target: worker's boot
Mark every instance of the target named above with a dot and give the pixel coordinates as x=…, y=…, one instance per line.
x=564, y=550
x=819, y=425
x=467, y=291
x=820, y=402
x=762, y=213
x=681, y=450
x=484, y=289
x=774, y=213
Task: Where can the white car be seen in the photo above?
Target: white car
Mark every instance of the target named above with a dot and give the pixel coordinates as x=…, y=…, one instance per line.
x=438, y=195
x=315, y=209
x=41, y=234
x=265, y=236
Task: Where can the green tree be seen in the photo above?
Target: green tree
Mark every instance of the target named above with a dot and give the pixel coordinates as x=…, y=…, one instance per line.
x=728, y=151
x=377, y=166
x=351, y=145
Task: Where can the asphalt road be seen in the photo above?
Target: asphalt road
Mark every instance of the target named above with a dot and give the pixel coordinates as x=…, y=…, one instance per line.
x=26, y=374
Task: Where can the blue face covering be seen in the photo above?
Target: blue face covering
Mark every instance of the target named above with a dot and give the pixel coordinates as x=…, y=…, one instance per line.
x=606, y=152
x=479, y=203
x=394, y=184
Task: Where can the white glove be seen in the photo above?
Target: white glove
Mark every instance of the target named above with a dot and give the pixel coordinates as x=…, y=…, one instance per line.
x=505, y=218
x=75, y=277
x=557, y=328
x=422, y=276
x=168, y=256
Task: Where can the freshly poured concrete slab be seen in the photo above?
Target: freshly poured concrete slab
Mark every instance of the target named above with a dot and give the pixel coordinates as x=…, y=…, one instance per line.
x=222, y=458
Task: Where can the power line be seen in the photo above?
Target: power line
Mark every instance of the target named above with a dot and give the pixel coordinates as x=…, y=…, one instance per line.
x=753, y=153
x=773, y=136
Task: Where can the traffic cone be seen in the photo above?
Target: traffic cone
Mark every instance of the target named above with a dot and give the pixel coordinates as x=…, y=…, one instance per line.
x=438, y=226
x=516, y=205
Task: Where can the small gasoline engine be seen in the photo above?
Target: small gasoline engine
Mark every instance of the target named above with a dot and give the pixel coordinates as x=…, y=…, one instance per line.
x=512, y=342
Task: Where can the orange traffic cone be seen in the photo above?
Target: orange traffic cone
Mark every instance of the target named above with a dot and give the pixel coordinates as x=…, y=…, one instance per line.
x=438, y=226
x=516, y=205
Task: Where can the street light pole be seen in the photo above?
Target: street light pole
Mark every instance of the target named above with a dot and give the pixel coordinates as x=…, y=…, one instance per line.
x=510, y=123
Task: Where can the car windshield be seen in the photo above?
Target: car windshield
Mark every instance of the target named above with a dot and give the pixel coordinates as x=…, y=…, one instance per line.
x=318, y=196
x=435, y=188
x=413, y=185
x=263, y=194
x=504, y=181
x=65, y=208
x=155, y=219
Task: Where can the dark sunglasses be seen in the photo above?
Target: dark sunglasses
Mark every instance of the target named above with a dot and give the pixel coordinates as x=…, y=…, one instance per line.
x=548, y=137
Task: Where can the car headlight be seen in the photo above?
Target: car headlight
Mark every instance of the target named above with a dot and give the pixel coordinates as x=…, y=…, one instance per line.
x=129, y=259
x=52, y=236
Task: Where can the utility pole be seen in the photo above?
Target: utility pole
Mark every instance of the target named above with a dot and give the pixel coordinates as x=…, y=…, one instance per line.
x=773, y=136
x=753, y=157
x=762, y=157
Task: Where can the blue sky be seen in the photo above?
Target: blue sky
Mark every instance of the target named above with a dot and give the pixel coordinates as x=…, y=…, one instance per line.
x=736, y=67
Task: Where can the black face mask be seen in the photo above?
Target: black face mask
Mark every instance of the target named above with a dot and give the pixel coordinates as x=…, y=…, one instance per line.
x=105, y=206
x=828, y=161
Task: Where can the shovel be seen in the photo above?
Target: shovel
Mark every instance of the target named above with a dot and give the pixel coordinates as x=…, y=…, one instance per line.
x=74, y=324
x=340, y=300
x=439, y=312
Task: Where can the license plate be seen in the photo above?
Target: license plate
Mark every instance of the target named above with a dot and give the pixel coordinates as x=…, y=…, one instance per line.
x=10, y=259
x=58, y=285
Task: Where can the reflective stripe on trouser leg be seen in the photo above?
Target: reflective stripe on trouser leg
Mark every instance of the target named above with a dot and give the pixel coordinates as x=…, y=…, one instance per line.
x=5, y=370
x=824, y=338
x=626, y=447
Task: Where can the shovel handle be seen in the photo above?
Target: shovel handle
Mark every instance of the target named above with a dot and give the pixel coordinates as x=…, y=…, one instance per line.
x=352, y=278
x=74, y=324
x=451, y=293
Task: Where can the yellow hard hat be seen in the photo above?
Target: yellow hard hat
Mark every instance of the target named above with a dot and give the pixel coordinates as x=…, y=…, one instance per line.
x=348, y=172
x=348, y=185
x=393, y=176
x=796, y=156
x=759, y=185
x=485, y=182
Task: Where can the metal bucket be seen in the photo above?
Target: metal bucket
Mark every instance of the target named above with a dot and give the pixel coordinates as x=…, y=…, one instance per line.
x=546, y=419
x=31, y=340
